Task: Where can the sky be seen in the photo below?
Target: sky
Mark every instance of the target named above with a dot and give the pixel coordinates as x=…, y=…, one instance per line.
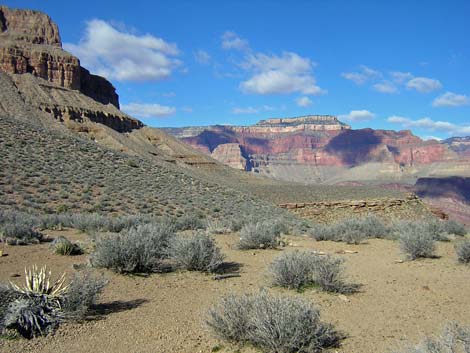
x=401, y=64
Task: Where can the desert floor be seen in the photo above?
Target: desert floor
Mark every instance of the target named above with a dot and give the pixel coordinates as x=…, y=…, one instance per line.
x=398, y=302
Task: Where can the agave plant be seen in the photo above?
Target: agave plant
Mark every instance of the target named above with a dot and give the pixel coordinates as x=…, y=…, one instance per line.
x=38, y=283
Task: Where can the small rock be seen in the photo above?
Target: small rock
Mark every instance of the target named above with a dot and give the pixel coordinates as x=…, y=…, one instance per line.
x=343, y=298
x=14, y=275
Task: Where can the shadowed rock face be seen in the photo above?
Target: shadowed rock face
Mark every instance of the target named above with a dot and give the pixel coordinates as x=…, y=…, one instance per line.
x=30, y=43
x=321, y=148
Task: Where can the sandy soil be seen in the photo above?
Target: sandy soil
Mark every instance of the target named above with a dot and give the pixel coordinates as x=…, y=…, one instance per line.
x=165, y=312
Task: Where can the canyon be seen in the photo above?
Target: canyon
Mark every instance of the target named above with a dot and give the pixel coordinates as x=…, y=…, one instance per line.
x=322, y=149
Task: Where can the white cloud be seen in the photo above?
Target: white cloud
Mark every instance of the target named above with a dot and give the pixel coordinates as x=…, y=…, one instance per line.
x=272, y=74
x=401, y=77
x=450, y=99
x=254, y=110
x=424, y=84
x=358, y=115
x=124, y=56
x=364, y=75
x=247, y=110
x=303, y=101
x=147, y=110
x=187, y=109
x=431, y=125
x=385, y=87
x=231, y=40
x=202, y=57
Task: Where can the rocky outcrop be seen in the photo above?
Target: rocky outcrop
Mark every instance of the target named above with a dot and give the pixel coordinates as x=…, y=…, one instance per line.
x=30, y=43
x=409, y=207
x=231, y=154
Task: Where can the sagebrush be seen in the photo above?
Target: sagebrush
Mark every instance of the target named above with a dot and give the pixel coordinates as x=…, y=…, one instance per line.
x=273, y=323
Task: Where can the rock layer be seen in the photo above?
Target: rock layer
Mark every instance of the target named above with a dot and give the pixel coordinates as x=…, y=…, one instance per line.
x=319, y=148
x=30, y=43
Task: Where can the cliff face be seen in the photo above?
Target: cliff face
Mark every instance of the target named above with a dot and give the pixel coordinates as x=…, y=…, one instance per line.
x=50, y=79
x=321, y=148
x=30, y=43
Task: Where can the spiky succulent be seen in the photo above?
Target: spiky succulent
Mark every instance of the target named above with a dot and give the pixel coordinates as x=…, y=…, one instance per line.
x=38, y=283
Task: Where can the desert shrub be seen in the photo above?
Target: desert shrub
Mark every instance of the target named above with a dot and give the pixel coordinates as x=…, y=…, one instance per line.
x=293, y=269
x=190, y=221
x=196, y=253
x=416, y=241
x=328, y=274
x=463, y=251
x=281, y=324
x=62, y=246
x=321, y=232
x=38, y=307
x=260, y=235
x=217, y=227
x=454, y=338
x=32, y=316
x=298, y=269
x=436, y=229
x=454, y=227
x=351, y=231
x=19, y=233
x=140, y=249
x=82, y=294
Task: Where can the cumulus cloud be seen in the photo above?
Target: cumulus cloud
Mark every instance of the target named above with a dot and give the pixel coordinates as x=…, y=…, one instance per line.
x=424, y=84
x=272, y=74
x=450, y=99
x=362, y=76
x=231, y=40
x=124, y=56
x=147, y=110
x=303, y=101
x=401, y=77
x=202, y=57
x=385, y=87
x=431, y=125
x=358, y=115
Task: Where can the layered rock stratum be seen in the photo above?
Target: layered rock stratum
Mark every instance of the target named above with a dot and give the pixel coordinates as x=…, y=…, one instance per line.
x=320, y=148
x=49, y=78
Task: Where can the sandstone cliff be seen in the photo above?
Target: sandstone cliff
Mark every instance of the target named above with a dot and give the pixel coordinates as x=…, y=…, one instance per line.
x=30, y=44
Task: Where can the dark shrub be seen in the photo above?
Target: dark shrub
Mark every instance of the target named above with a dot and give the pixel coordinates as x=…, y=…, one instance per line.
x=196, y=253
x=273, y=323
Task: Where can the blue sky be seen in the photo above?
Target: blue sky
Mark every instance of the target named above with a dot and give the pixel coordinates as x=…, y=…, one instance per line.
x=381, y=64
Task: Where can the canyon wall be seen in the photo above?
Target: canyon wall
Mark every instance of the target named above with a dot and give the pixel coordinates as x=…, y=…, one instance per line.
x=320, y=148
